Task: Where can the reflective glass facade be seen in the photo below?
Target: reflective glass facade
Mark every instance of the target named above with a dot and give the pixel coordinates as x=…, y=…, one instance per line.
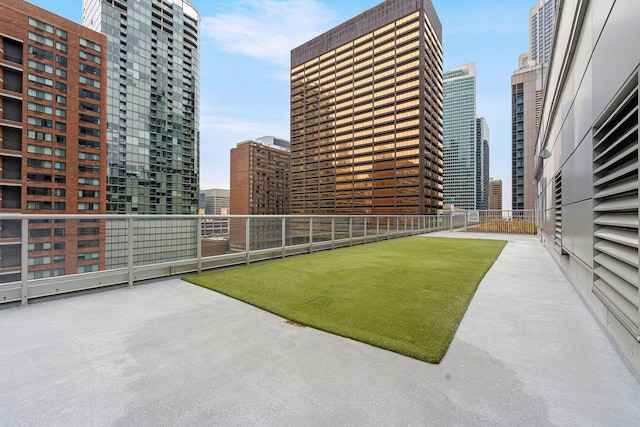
x=541, y=19
x=482, y=164
x=366, y=115
x=459, y=136
x=153, y=98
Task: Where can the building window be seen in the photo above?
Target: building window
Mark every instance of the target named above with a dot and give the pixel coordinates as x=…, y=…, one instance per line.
x=39, y=163
x=37, y=205
x=37, y=65
x=40, y=108
x=88, y=81
x=41, y=25
x=91, y=45
x=41, y=136
x=88, y=206
x=88, y=268
x=38, y=149
x=89, y=69
x=43, y=274
x=90, y=57
x=47, y=41
x=40, y=80
x=41, y=53
x=40, y=94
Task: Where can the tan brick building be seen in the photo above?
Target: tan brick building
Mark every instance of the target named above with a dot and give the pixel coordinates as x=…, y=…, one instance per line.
x=495, y=194
x=259, y=185
x=52, y=150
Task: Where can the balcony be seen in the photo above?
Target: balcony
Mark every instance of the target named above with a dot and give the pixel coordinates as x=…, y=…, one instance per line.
x=526, y=353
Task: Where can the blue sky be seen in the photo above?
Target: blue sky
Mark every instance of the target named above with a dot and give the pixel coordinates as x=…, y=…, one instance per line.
x=245, y=47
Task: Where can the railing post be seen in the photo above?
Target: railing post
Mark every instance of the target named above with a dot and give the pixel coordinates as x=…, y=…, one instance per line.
x=284, y=236
x=247, y=240
x=388, y=227
x=465, y=222
x=130, y=247
x=310, y=234
x=350, y=231
x=24, y=262
x=333, y=232
x=377, y=229
x=199, y=245
x=365, y=229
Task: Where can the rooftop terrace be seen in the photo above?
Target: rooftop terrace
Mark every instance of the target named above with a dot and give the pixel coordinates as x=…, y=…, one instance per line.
x=528, y=352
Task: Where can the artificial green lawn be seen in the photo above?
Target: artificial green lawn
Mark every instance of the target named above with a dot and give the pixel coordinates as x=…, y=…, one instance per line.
x=406, y=295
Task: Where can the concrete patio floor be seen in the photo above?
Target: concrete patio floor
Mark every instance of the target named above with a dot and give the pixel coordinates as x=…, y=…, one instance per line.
x=527, y=352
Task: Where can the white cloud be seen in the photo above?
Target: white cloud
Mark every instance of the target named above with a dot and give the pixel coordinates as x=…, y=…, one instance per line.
x=268, y=29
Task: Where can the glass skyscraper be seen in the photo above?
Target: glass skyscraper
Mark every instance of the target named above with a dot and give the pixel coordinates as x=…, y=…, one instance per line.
x=459, y=137
x=482, y=164
x=366, y=114
x=541, y=20
x=153, y=98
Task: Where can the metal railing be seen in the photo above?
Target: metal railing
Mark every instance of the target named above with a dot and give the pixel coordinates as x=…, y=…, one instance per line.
x=495, y=221
x=43, y=255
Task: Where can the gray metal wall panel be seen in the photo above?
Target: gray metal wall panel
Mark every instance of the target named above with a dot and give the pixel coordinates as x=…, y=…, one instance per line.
x=568, y=225
x=617, y=52
x=568, y=141
x=582, y=171
x=583, y=231
x=583, y=106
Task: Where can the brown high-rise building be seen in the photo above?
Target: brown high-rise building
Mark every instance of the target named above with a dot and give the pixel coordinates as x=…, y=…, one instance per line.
x=259, y=185
x=366, y=114
x=52, y=150
x=495, y=194
x=526, y=108
x=260, y=177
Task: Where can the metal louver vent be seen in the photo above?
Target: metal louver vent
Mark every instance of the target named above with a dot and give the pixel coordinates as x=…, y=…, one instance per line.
x=557, y=210
x=615, y=178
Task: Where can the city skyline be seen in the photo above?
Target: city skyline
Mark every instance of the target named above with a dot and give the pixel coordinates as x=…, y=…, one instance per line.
x=245, y=63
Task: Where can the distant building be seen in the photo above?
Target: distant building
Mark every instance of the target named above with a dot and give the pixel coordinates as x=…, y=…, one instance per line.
x=482, y=164
x=215, y=201
x=526, y=108
x=366, y=114
x=259, y=186
x=153, y=133
x=495, y=194
x=526, y=101
x=460, y=137
x=541, y=21
x=260, y=177
x=52, y=136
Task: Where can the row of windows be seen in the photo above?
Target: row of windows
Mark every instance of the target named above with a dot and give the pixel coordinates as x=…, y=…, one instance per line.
x=60, y=206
